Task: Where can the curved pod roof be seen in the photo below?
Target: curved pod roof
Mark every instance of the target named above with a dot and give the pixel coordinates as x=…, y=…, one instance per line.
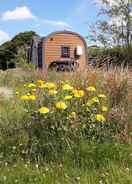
x=65, y=32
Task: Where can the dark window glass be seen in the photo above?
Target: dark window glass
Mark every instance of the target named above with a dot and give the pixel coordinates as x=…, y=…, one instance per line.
x=65, y=52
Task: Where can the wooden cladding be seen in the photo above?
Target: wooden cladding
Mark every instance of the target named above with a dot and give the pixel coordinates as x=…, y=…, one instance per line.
x=58, y=46
x=63, y=45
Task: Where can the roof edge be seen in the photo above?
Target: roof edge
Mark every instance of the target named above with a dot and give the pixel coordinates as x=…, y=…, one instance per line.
x=65, y=32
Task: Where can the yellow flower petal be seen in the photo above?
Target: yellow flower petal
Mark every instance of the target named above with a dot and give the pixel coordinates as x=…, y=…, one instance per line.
x=100, y=118
x=32, y=97
x=50, y=85
x=24, y=97
x=52, y=92
x=40, y=83
x=102, y=96
x=44, y=110
x=67, y=87
x=17, y=92
x=34, y=90
x=61, y=105
x=31, y=85
x=91, y=89
x=69, y=97
x=95, y=100
x=72, y=115
x=104, y=109
x=78, y=93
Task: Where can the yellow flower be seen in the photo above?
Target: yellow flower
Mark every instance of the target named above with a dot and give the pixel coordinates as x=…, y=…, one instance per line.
x=89, y=103
x=34, y=90
x=61, y=105
x=67, y=87
x=28, y=94
x=104, y=109
x=44, y=110
x=91, y=89
x=95, y=100
x=102, y=96
x=73, y=115
x=24, y=97
x=41, y=84
x=78, y=93
x=69, y=97
x=52, y=92
x=32, y=97
x=50, y=85
x=31, y=85
x=17, y=92
x=92, y=101
x=100, y=118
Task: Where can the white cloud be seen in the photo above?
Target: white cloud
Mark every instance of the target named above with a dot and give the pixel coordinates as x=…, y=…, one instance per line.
x=19, y=13
x=57, y=24
x=4, y=36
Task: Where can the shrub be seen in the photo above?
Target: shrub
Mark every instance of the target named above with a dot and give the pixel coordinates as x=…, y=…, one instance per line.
x=56, y=116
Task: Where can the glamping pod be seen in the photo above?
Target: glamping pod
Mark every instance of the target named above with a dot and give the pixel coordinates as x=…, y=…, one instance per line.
x=60, y=51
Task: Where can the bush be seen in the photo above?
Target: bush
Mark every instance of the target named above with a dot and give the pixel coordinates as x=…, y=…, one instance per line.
x=57, y=116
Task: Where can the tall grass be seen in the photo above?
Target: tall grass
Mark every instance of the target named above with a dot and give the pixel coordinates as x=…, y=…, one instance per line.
x=74, y=158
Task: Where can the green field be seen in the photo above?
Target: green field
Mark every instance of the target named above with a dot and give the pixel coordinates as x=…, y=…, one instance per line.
x=50, y=131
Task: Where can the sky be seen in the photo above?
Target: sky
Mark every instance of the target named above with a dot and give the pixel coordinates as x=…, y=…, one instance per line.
x=46, y=16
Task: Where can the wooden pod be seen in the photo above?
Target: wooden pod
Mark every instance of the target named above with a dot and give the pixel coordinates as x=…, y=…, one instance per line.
x=62, y=47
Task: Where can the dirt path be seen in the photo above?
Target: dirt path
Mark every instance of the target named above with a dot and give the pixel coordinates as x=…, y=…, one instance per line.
x=6, y=92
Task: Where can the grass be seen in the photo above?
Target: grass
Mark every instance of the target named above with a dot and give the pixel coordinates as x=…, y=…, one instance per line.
x=23, y=173
x=73, y=158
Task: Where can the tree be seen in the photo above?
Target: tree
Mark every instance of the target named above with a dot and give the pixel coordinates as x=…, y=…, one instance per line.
x=12, y=50
x=117, y=28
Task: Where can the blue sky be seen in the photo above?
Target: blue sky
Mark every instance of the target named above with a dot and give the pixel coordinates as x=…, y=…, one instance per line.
x=45, y=16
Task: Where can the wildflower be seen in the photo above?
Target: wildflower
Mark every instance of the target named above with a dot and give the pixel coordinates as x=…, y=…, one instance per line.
x=50, y=85
x=72, y=115
x=69, y=97
x=78, y=93
x=17, y=92
x=41, y=84
x=91, y=89
x=92, y=101
x=89, y=103
x=43, y=110
x=100, y=118
x=52, y=92
x=32, y=97
x=31, y=85
x=95, y=100
x=61, y=105
x=102, y=96
x=67, y=87
x=34, y=90
x=24, y=97
x=104, y=109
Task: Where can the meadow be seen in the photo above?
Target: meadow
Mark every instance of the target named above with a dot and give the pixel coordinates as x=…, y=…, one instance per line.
x=66, y=128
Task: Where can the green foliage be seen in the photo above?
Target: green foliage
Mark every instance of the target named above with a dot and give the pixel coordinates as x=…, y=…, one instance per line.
x=11, y=50
x=120, y=55
x=41, y=148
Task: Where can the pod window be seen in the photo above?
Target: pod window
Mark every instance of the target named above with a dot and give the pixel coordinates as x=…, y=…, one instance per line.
x=65, y=52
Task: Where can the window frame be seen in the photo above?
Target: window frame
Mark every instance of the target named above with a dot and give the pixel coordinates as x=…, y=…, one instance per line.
x=65, y=54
